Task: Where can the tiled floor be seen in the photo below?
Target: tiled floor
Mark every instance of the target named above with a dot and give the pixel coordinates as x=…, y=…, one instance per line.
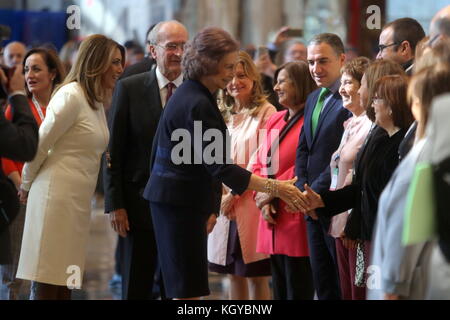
x=100, y=264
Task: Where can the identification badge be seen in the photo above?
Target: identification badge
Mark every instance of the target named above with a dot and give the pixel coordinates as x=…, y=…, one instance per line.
x=334, y=179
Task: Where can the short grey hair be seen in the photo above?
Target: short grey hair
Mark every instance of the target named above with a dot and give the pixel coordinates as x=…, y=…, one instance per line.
x=331, y=39
x=154, y=36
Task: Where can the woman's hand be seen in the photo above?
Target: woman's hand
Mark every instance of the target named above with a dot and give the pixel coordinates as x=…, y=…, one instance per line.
x=227, y=206
x=23, y=196
x=293, y=197
x=211, y=223
x=262, y=199
x=314, y=199
x=268, y=212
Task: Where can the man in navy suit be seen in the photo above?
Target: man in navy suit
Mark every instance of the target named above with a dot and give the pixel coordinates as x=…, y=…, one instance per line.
x=319, y=139
x=137, y=105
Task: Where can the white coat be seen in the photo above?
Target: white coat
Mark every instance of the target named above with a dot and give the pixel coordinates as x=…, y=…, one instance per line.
x=61, y=181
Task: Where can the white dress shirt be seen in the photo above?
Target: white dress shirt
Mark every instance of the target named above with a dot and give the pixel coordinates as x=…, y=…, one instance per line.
x=162, y=84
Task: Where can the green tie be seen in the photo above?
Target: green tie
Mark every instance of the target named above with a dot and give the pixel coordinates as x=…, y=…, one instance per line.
x=318, y=109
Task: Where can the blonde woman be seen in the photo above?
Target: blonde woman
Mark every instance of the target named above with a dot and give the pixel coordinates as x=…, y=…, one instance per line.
x=232, y=245
x=59, y=183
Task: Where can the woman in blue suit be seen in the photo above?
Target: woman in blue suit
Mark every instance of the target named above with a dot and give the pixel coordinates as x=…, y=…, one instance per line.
x=190, y=162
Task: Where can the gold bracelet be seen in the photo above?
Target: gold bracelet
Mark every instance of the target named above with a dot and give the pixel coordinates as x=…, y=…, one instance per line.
x=271, y=187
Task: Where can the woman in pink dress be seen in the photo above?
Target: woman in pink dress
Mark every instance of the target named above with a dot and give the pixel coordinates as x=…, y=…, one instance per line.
x=282, y=234
x=232, y=244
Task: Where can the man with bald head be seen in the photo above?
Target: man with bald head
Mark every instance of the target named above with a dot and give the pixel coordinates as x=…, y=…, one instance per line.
x=440, y=26
x=14, y=53
x=137, y=104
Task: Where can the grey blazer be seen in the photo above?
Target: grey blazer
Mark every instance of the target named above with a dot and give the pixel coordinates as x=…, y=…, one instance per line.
x=397, y=269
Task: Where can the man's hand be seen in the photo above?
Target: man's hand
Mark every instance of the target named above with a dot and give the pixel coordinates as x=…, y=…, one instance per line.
x=119, y=222
x=211, y=223
x=17, y=81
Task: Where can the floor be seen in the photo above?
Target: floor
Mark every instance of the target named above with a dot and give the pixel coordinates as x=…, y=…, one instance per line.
x=100, y=263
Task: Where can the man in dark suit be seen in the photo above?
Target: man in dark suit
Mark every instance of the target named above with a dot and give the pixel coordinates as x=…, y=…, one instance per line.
x=136, y=108
x=319, y=139
x=398, y=41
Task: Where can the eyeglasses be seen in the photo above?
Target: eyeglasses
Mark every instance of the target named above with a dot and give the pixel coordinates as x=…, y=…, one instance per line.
x=172, y=46
x=377, y=100
x=431, y=42
x=381, y=47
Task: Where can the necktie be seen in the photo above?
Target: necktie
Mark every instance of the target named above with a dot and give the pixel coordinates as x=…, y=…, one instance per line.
x=170, y=88
x=318, y=109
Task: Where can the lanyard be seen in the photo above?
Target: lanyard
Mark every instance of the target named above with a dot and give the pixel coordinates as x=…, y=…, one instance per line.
x=38, y=108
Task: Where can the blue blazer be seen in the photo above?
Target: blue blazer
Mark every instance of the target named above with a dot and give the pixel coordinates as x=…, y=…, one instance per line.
x=196, y=182
x=312, y=164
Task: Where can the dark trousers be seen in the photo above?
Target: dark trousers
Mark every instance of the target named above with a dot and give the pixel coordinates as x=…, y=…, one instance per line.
x=291, y=278
x=138, y=265
x=138, y=252
x=45, y=291
x=347, y=268
x=322, y=251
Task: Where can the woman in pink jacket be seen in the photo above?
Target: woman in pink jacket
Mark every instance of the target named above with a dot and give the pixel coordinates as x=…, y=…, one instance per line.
x=283, y=234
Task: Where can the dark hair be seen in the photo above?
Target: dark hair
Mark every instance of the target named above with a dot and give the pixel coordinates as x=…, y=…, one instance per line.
x=406, y=29
x=393, y=90
x=356, y=67
x=331, y=39
x=375, y=71
x=202, y=55
x=52, y=62
x=298, y=73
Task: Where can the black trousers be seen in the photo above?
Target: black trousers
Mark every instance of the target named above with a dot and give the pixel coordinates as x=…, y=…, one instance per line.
x=322, y=249
x=138, y=252
x=291, y=278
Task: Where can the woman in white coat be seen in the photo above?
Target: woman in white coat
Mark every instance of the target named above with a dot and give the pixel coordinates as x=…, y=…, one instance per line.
x=59, y=183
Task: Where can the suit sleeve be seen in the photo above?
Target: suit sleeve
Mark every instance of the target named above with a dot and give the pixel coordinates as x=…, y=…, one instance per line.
x=19, y=138
x=301, y=161
x=216, y=160
x=113, y=170
x=62, y=113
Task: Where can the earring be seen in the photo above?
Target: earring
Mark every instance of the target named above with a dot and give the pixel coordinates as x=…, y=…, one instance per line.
x=390, y=112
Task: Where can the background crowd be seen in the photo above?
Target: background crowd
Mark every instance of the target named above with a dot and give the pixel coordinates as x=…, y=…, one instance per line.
x=334, y=159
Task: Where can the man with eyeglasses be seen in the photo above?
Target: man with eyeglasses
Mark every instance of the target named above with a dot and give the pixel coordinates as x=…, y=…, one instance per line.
x=137, y=105
x=398, y=41
x=440, y=26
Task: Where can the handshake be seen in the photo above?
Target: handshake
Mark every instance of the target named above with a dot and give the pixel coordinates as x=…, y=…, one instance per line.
x=296, y=200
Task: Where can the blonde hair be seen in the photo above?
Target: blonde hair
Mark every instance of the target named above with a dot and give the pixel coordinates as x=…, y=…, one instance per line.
x=258, y=97
x=93, y=61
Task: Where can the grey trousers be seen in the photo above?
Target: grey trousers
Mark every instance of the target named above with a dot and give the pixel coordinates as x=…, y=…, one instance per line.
x=12, y=288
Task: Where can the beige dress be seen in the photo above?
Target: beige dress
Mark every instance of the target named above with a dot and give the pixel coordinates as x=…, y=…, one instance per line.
x=61, y=181
x=246, y=137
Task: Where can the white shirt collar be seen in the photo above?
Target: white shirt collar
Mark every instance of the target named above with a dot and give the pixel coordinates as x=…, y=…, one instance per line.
x=163, y=81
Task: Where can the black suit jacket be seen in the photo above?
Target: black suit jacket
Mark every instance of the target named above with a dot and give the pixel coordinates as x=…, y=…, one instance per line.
x=19, y=137
x=140, y=67
x=195, y=182
x=134, y=116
